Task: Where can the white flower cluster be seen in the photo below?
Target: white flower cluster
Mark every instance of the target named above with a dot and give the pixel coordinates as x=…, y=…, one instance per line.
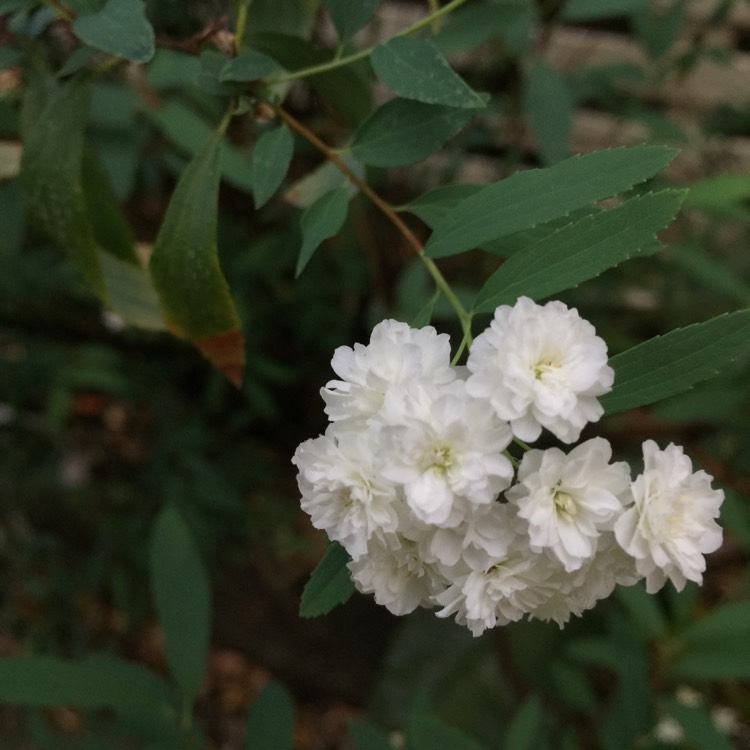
x=414, y=479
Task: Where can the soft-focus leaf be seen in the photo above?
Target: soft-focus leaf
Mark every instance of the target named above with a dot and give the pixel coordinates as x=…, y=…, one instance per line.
x=589, y=10
x=404, y=131
x=51, y=177
x=97, y=682
x=248, y=66
x=416, y=69
x=725, y=195
x=270, y=723
x=527, y=725
x=726, y=621
x=426, y=732
x=292, y=17
x=548, y=105
x=183, y=600
x=349, y=17
x=321, y=220
x=272, y=155
x=184, y=266
x=726, y=659
x=645, y=610
x=367, y=736
x=713, y=273
x=674, y=362
x=581, y=251
x=305, y=191
x=536, y=196
x=330, y=583
x=120, y=28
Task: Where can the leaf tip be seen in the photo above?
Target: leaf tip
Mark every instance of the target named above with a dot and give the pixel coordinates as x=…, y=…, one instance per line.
x=226, y=352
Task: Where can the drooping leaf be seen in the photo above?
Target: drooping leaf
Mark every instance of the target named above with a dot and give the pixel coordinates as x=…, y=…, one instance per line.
x=305, y=191
x=330, y=583
x=368, y=736
x=674, y=362
x=272, y=155
x=180, y=586
x=349, y=17
x=51, y=175
x=548, y=105
x=580, y=251
x=270, y=723
x=404, y=131
x=321, y=220
x=536, y=196
x=416, y=69
x=427, y=732
x=120, y=28
x=248, y=66
x=184, y=266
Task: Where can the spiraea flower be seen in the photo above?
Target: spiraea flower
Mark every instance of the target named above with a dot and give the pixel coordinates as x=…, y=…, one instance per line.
x=568, y=500
x=670, y=526
x=540, y=367
x=396, y=355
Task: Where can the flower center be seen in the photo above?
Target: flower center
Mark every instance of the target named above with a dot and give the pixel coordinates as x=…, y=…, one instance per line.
x=441, y=459
x=540, y=369
x=565, y=505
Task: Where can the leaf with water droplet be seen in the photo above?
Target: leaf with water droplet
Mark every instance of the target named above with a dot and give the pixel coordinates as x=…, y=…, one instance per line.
x=193, y=292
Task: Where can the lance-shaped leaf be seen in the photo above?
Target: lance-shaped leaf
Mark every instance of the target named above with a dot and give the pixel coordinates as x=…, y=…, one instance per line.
x=330, y=583
x=183, y=600
x=322, y=220
x=581, y=250
x=536, y=196
x=51, y=175
x=416, y=69
x=349, y=17
x=404, y=131
x=271, y=157
x=270, y=723
x=120, y=28
x=674, y=362
x=193, y=293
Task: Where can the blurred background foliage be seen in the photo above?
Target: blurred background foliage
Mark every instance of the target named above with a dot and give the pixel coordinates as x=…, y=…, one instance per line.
x=102, y=425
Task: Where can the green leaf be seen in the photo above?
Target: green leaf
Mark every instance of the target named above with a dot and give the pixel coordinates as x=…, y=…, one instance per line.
x=404, y=131
x=674, y=362
x=98, y=682
x=727, y=621
x=536, y=196
x=590, y=10
x=184, y=266
x=644, y=609
x=431, y=206
x=525, y=729
x=272, y=155
x=416, y=69
x=292, y=17
x=190, y=132
x=248, y=66
x=305, y=191
x=120, y=28
x=548, y=105
x=330, y=583
x=426, y=732
x=726, y=659
x=725, y=195
x=349, y=17
x=183, y=600
x=580, y=251
x=321, y=220
x=270, y=723
x=710, y=271
x=51, y=176
x=368, y=736
x=698, y=726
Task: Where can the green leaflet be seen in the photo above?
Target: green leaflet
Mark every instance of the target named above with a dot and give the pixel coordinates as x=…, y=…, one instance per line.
x=581, y=251
x=329, y=584
x=270, y=723
x=184, y=267
x=527, y=725
x=349, y=17
x=416, y=69
x=536, y=196
x=427, y=732
x=272, y=155
x=183, y=600
x=120, y=28
x=248, y=66
x=404, y=131
x=322, y=220
x=548, y=105
x=674, y=362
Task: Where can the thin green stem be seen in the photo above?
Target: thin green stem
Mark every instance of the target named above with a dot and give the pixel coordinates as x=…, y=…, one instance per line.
x=340, y=62
x=464, y=317
x=521, y=444
x=239, y=30
x=434, y=8
x=65, y=13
